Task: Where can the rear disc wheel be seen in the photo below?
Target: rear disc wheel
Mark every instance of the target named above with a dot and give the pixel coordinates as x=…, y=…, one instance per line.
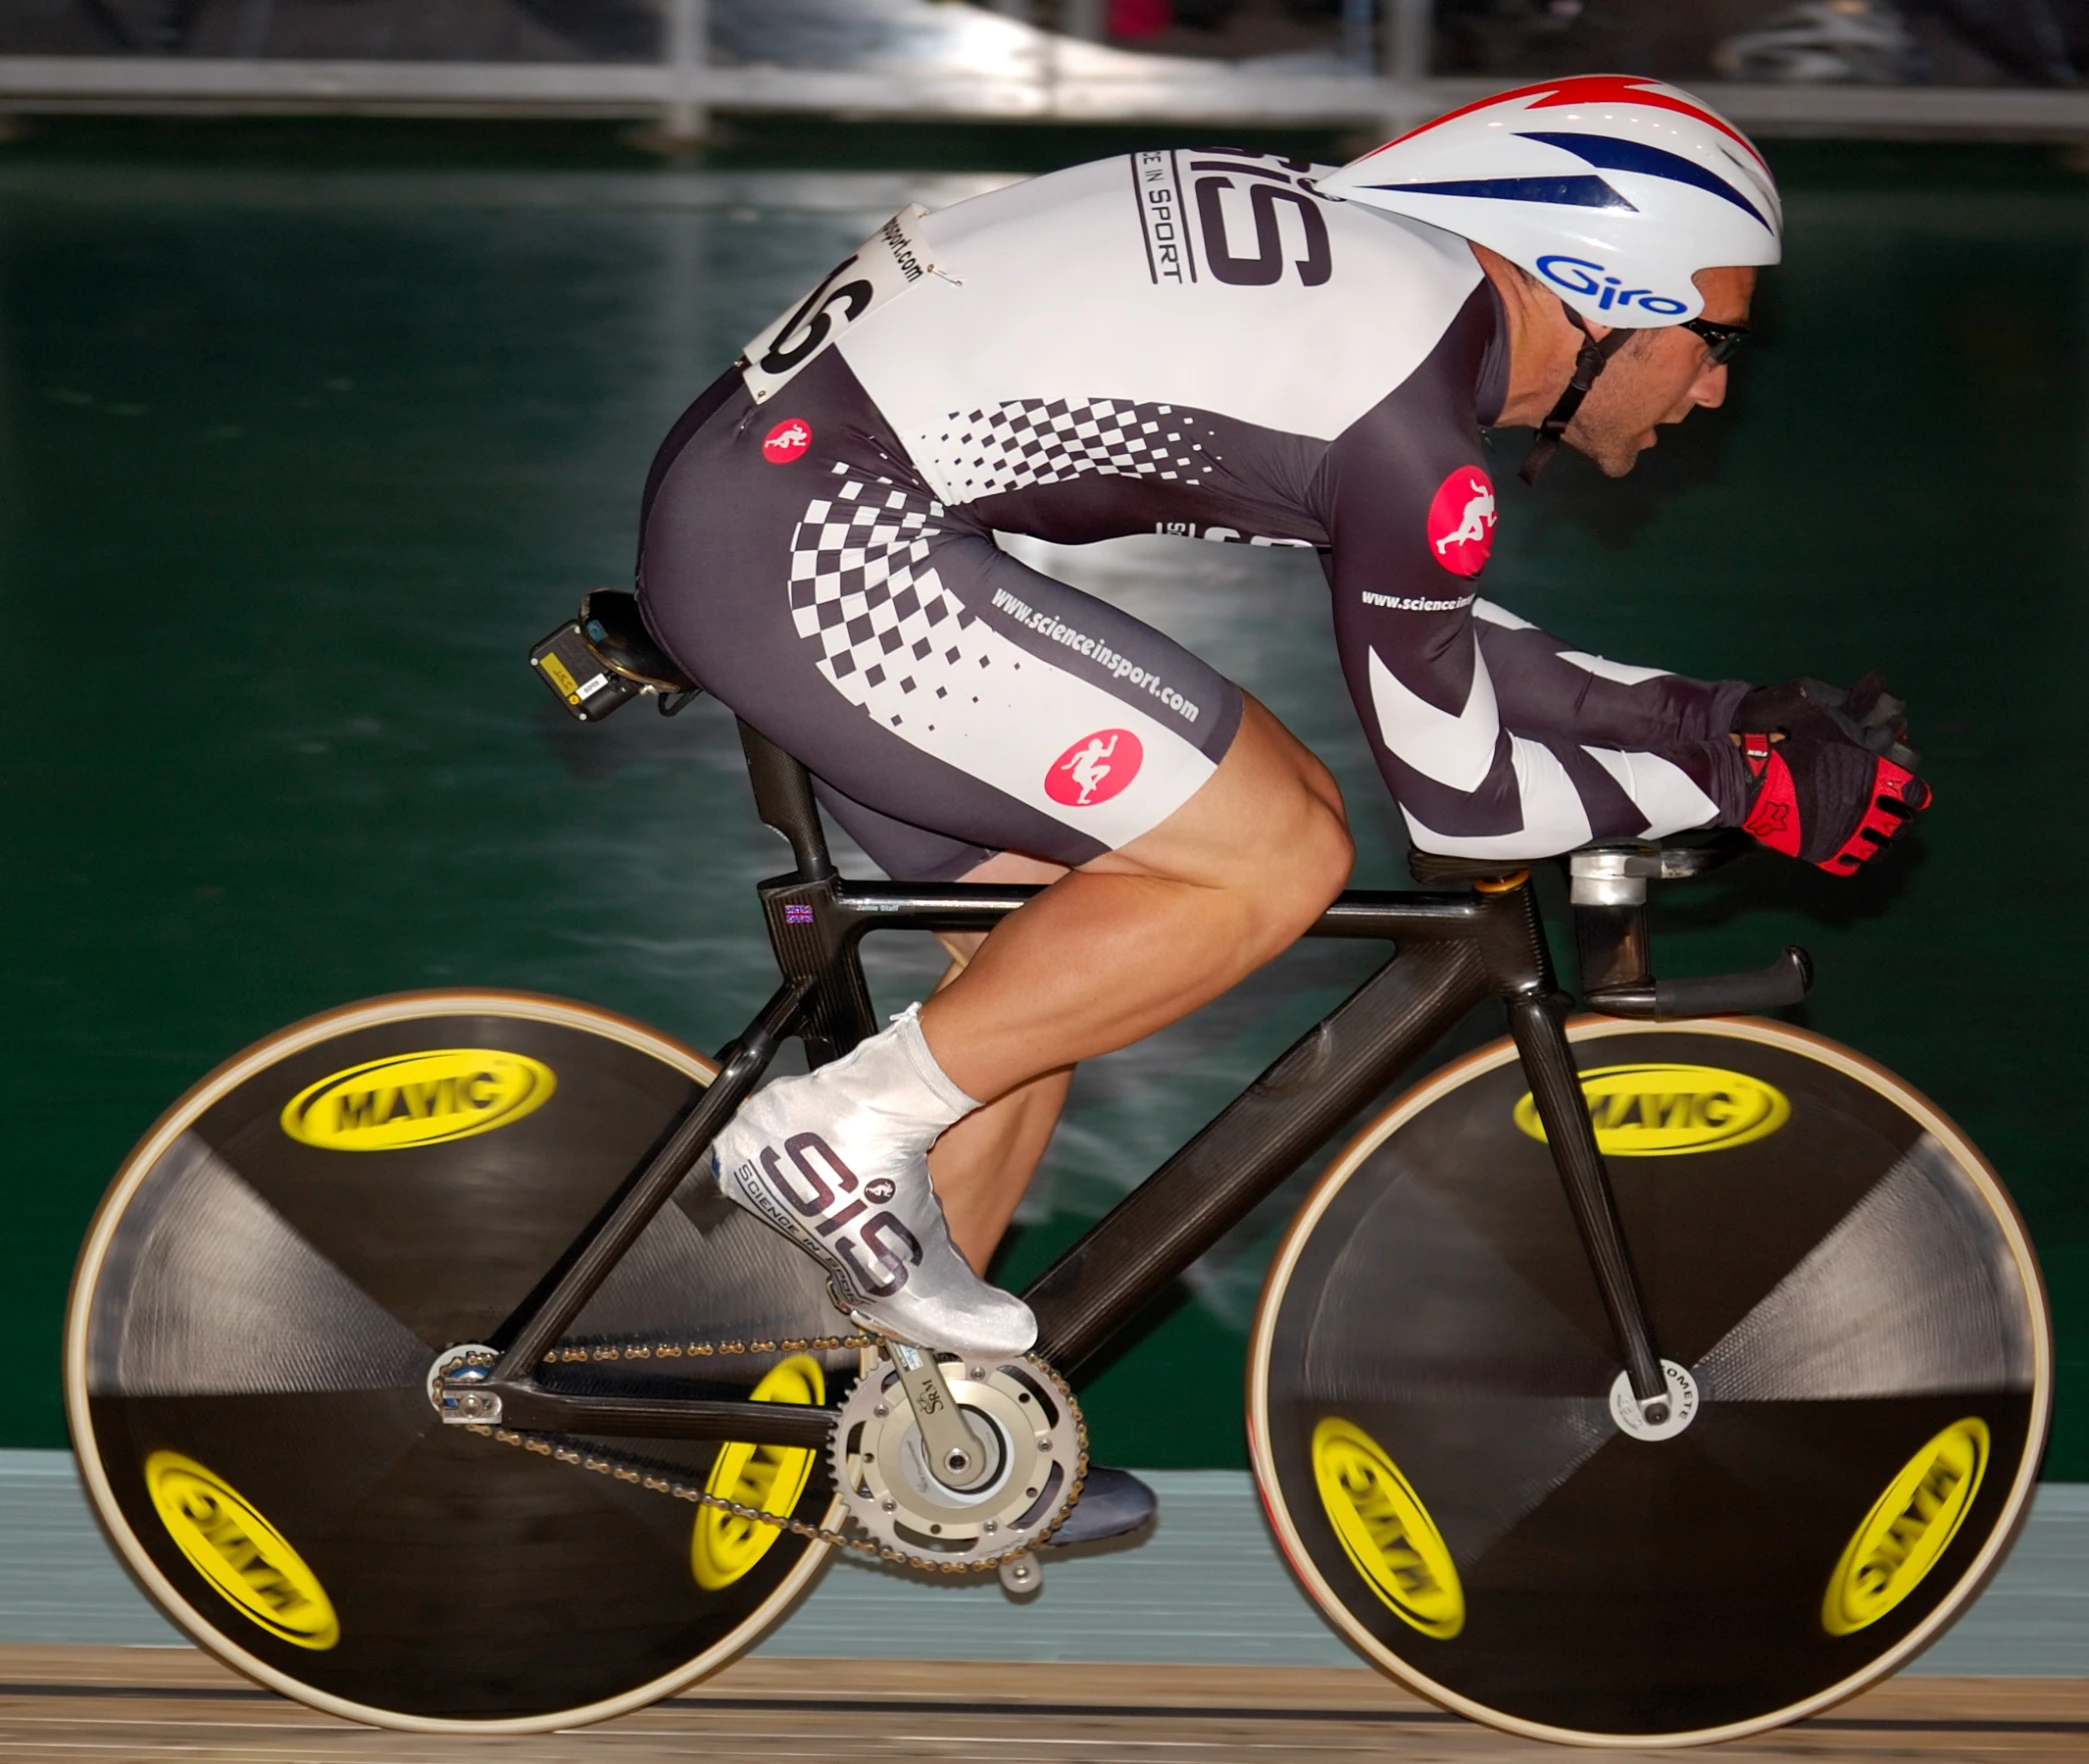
x=257, y=1309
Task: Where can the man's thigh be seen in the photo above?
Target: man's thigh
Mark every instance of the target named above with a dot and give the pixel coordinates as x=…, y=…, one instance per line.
x=913, y=665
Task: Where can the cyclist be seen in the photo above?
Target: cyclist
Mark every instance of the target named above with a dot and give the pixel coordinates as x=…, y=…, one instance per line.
x=1230, y=346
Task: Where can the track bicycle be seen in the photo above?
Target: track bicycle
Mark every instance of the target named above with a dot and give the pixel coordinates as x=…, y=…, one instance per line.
x=1651, y=1376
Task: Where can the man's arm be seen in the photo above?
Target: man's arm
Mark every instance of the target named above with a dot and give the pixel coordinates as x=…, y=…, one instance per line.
x=1499, y=741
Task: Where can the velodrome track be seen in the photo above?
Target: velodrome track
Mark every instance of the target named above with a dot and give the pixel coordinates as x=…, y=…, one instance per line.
x=89, y=1671
x=73, y=1703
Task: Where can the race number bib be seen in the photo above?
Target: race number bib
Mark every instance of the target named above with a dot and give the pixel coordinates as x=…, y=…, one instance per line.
x=887, y=264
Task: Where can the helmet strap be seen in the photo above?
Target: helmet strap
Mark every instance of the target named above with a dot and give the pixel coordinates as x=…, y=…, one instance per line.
x=1589, y=364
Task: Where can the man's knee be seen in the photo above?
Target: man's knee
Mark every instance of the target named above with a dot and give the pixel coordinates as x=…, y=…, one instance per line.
x=1308, y=853
x=1267, y=826
x=1287, y=806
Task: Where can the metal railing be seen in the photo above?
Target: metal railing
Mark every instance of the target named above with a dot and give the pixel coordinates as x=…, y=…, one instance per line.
x=966, y=64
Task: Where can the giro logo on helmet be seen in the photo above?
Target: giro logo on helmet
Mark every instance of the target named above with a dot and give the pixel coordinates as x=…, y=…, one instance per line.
x=1579, y=276
x=1614, y=192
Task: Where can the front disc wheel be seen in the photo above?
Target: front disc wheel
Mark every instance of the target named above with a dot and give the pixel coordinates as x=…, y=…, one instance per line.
x=1858, y=1352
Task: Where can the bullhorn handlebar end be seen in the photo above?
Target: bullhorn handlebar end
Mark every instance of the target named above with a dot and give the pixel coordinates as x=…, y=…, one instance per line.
x=1784, y=982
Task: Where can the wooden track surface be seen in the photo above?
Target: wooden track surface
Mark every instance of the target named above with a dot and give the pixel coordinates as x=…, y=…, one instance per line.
x=75, y=1703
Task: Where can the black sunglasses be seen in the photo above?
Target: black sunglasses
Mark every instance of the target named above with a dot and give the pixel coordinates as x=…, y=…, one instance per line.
x=1722, y=342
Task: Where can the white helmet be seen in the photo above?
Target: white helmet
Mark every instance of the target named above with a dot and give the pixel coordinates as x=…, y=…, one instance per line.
x=1613, y=190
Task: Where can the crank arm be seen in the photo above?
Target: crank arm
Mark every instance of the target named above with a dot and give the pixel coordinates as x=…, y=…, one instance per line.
x=957, y=1457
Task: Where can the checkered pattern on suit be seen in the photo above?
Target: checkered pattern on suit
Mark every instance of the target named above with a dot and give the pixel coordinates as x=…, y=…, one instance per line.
x=862, y=587
x=1027, y=441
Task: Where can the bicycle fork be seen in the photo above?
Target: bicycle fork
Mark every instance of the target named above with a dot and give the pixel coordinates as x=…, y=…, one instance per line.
x=1519, y=970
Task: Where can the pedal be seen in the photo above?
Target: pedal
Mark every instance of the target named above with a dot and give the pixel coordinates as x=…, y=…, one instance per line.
x=586, y=689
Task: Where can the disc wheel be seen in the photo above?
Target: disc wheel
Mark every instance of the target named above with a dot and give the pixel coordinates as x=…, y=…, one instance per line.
x=261, y=1299
x=1857, y=1332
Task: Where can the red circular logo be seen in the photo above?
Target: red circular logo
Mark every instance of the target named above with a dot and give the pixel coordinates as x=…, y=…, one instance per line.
x=1461, y=521
x=1095, y=768
x=787, y=441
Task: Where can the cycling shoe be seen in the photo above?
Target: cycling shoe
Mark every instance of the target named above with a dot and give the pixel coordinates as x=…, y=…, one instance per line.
x=1113, y=1503
x=837, y=1161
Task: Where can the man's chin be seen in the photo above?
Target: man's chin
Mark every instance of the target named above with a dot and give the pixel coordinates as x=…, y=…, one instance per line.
x=1614, y=459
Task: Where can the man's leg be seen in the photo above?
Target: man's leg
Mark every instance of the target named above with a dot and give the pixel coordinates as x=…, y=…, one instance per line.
x=1143, y=935
x=1110, y=952
x=982, y=1167
x=1268, y=825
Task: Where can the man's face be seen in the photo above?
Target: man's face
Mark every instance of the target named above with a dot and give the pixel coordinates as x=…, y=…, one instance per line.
x=1656, y=378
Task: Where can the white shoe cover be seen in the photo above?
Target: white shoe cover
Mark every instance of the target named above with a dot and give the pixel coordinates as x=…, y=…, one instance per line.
x=837, y=1161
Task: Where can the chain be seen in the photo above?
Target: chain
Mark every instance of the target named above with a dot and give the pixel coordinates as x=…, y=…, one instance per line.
x=643, y=1474
x=703, y=1350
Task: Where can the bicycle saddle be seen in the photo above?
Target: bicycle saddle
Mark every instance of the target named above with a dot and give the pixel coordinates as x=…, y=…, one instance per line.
x=619, y=640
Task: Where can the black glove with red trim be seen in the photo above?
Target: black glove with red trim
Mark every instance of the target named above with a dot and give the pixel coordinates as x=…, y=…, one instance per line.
x=1834, y=780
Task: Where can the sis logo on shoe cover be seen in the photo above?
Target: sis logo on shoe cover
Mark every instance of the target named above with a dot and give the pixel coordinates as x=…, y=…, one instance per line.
x=1461, y=521
x=787, y=441
x=1096, y=768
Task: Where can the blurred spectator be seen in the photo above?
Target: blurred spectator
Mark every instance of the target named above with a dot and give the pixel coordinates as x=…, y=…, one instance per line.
x=2044, y=41
x=1862, y=42
x=1132, y=19
x=1869, y=42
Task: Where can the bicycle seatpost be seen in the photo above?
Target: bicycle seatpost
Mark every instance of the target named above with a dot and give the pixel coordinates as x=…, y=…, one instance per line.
x=783, y=798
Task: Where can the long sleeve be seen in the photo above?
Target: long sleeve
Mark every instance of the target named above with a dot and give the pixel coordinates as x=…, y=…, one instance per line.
x=1495, y=739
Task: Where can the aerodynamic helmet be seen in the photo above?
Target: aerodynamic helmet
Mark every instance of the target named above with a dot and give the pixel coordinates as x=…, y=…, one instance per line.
x=1611, y=190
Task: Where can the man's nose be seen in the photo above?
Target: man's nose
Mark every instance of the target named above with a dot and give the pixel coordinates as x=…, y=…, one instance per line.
x=1710, y=388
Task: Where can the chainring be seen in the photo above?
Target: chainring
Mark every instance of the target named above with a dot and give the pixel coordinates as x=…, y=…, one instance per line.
x=1038, y=1445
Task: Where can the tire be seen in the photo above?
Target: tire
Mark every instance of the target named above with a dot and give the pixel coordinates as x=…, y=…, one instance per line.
x=1849, y=1289
x=253, y=1322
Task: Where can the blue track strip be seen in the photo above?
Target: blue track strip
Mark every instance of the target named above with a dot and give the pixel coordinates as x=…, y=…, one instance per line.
x=1206, y=1587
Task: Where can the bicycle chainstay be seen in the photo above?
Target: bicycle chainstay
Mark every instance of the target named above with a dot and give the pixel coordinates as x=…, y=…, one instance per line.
x=662, y=1479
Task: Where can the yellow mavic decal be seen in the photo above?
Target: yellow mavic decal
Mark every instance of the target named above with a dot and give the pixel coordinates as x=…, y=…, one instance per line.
x=240, y=1553
x=418, y=1099
x=724, y=1546
x=1907, y=1529
x=1385, y=1530
x=1663, y=1111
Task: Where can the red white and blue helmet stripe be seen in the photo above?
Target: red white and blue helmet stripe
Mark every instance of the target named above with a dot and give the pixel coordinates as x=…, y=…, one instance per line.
x=1613, y=190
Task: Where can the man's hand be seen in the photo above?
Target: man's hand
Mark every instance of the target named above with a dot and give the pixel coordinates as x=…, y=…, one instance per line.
x=1867, y=715
x=1834, y=776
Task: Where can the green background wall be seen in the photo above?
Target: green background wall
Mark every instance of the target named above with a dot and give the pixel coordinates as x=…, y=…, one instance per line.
x=305, y=433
